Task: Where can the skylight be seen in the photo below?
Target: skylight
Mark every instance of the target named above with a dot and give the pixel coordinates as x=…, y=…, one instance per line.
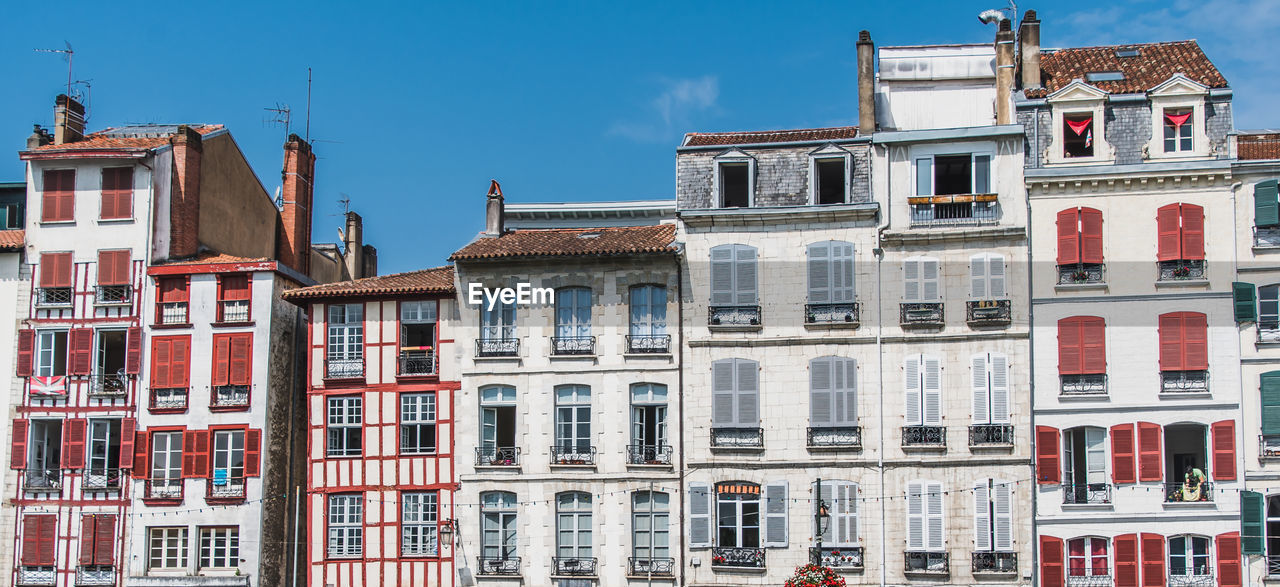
x=1131, y=52
x=1104, y=76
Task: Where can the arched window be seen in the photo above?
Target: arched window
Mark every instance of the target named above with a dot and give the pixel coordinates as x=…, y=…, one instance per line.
x=497, y=426
x=573, y=533
x=649, y=445
x=1088, y=557
x=651, y=533
x=1189, y=560
x=497, y=532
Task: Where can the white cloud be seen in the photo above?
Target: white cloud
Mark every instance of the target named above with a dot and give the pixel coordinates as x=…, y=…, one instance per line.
x=671, y=110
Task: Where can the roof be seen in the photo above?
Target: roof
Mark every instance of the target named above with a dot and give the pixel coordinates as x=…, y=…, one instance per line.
x=702, y=139
x=211, y=257
x=565, y=242
x=127, y=138
x=1258, y=146
x=435, y=280
x=1154, y=64
x=12, y=240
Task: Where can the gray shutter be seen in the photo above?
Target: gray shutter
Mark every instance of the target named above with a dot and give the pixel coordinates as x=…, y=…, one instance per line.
x=844, y=392
x=981, y=390
x=1003, y=504
x=999, y=368
x=933, y=501
x=930, y=291
x=982, y=174
x=700, y=497
x=915, y=516
x=847, y=513
x=995, y=277
x=842, y=278
x=911, y=280
x=978, y=277
x=723, y=397
x=820, y=273
x=820, y=392
x=745, y=275
x=775, y=515
x=722, y=275
x=911, y=389
x=748, y=386
x=1265, y=209
x=981, y=516
x=932, y=391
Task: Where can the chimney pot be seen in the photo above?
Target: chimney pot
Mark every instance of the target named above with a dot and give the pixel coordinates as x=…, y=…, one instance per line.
x=39, y=138
x=495, y=210
x=1004, y=74
x=866, y=84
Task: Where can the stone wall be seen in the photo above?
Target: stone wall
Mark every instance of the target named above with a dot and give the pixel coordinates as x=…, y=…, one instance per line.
x=782, y=176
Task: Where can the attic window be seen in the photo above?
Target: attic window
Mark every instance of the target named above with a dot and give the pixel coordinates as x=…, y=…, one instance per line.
x=735, y=182
x=1127, y=52
x=589, y=235
x=1104, y=76
x=1077, y=135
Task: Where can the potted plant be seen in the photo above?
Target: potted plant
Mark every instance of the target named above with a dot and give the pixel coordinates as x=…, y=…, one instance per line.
x=812, y=575
x=1182, y=272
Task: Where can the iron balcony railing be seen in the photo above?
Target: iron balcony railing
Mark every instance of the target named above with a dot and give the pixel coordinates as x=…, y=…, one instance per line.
x=751, y=558
x=836, y=313
x=169, y=398
x=498, y=456
x=722, y=437
x=103, y=479
x=988, y=312
x=931, y=562
x=95, y=575
x=837, y=557
x=954, y=214
x=733, y=316
x=649, y=343
x=925, y=436
x=1082, y=273
x=225, y=487
x=573, y=345
x=233, y=310
x=991, y=435
x=41, y=479
x=834, y=436
x=1088, y=493
x=173, y=313
x=164, y=488
x=1268, y=330
x=498, y=566
x=573, y=567
x=1273, y=565
x=108, y=384
x=1266, y=237
x=658, y=567
x=344, y=368
x=417, y=363
x=1270, y=447
x=1090, y=581
x=1192, y=580
x=648, y=454
x=28, y=575
x=1084, y=385
x=109, y=295
x=573, y=454
x=1184, y=381
x=921, y=314
x=497, y=347
x=229, y=396
x=995, y=562
x=1181, y=269
x=1188, y=492
x=53, y=296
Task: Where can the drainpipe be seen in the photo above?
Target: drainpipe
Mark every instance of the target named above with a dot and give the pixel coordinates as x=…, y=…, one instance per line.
x=879, y=250
x=1235, y=276
x=684, y=546
x=1031, y=369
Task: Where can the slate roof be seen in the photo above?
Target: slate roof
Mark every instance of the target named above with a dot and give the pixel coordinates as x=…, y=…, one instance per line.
x=1154, y=64
x=435, y=280
x=564, y=242
x=701, y=139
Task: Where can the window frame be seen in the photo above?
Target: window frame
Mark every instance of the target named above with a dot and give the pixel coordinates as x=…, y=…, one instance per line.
x=737, y=503
x=732, y=157
x=572, y=317
x=1089, y=557
x=344, y=526
x=827, y=154
x=41, y=353
x=926, y=490
x=231, y=534
x=345, y=337
x=422, y=521
x=973, y=154
x=181, y=296
x=116, y=193
x=572, y=403
x=498, y=323
x=181, y=547
x=577, y=507
x=643, y=319
x=640, y=403
x=652, y=512
x=66, y=198
x=228, y=452
x=349, y=415
x=173, y=469
x=502, y=508
x=418, y=421
x=1188, y=553
x=228, y=296
x=844, y=514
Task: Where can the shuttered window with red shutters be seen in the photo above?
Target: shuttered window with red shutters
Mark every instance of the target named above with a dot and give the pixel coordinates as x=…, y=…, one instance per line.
x=195, y=453
x=1180, y=233
x=232, y=358
x=252, y=452
x=1079, y=236
x=128, y=427
x=113, y=267
x=172, y=297
x=1126, y=549
x=81, y=352
x=133, y=351
x=170, y=362
x=117, y=193
x=73, y=443
x=26, y=352
x=1048, y=461
x=1052, y=566
x=1090, y=235
x=1230, y=573
x=58, y=196
x=1150, y=466
x=55, y=270
x=140, y=451
x=233, y=298
x=39, y=540
x=1152, y=560
x=18, y=450
x=1082, y=346
x=1223, y=439
x=97, y=539
x=1184, y=340
x=1123, y=457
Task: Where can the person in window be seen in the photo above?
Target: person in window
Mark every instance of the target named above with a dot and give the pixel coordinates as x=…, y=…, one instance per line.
x=1193, y=485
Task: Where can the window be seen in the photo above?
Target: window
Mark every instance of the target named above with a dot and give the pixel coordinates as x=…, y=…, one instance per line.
x=649, y=425
x=573, y=527
x=832, y=186
x=831, y=282
x=648, y=330
x=1183, y=341
x=833, y=392
x=44, y=454
x=219, y=548
x=573, y=322
x=417, y=338
x=170, y=371
x=1177, y=129
x=1084, y=458
x=345, y=420
x=58, y=197
x=417, y=423
x=232, y=370
x=97, y=545
x=650, y=528
x=40, y=542
x=55, y=280
x=738, y=515
x=1189, y=558
x=167, y=550
x=1269, y=389
x=1269, y=311
x=418, y=518
x=924, y=516
x=497, y=526
x=109, y=377
x=1082, y=355
x=965, y=173
x=1272, y=521
x=573, y=425
x=1079, y=246
x=103, y=470
x=114, y=277
x=1266, y=211
x=346, y=341
x=117, y=193
x=498, y=330
x=51, y=353
x=922, y=388
x=921, y=280
x=497, y=426
x=1087, y=557
x=990, y=372
x=172, y=300
x=986, y=277
x=11, y=216
x=733, y=276
x=841, y=499
x=165, y=479
x=735, y=394
x=1077, y=134
x=993, y=516
x=234, y=299
x=1180, y=240
x=735, y=184
x=346, y=525
x=228, y=464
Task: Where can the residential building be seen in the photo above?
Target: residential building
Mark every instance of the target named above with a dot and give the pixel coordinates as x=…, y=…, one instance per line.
x=15, y=284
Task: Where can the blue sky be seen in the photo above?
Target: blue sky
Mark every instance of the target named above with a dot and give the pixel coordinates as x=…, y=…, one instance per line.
x=416, y=106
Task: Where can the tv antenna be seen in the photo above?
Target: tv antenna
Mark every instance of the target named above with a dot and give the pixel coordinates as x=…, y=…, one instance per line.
x=68, y=55
x=280, y=114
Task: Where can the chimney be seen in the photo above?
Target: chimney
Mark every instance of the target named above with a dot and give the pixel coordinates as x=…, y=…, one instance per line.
x=293, y=247
x=1004, y=73
x=68, y=120
x=494, y=212
x=184, y=197
x=1029, y=37
x=866, y=84
x=370, y=261
x=39, y=138
x=353, y=246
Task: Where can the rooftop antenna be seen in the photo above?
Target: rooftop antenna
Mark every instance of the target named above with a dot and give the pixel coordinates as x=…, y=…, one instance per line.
x=83, y=97
x=280, y=114
x=67, y=55
x=308, y=105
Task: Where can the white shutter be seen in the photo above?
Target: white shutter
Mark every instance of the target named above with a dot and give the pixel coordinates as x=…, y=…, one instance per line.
x=847, y=512
x=820, y=392
x=995, y=276
x=724, y=409
x=932, y=391
x=911, y=389
x=820, y=273
x=929, y=287
x=982, y=516
x=978, y=277
x=748, y=387
x=911, y=280
x=915, y=516
x=700, y=500
x=933, y=501
x=981, y=390
x=744, y=275
x=844, y=392
x=999, y=368
x=775, y=515
x=1003, y=503
x=842, y=278
x=722, y=275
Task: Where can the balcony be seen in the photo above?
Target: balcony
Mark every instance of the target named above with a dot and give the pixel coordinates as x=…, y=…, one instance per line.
x=988, y=313
x=844, y=313
x=733, y=316
x=1184, y=381
x=1089, y=384
x=229, y=396
x=744, y=558
x=1082, y=274
x=573, y=567
x=1192, y=581
x=568, y=454
x=649, y=343
x=920, y=314
x=342, y=368
x=924, y=437
x=497, y=456
x=53, y=297
x=163, y=488
x=981, y=435
x=573, y=345
x=42, y=479
x=112, y=295
x=225, y=487
x=416, y=363
x=1181, y=270
x=103, y=479
x=834, y=437
x=498, y=566
x=1268, y=332
x=169, y=398
x=95, y=575
x=108, y=385
x=1180, y=492
x=747, y=438
x=1273, y=566
x=1269, y=446
x=647, y=454
x=919, y=562
x=173, y=313
x=945, y=211
x=233, y=311
x=995, y=562
x=1090, y=581
x=1087, y=494
x=657, y=567
x=1266, y=237
x=847, y=558
x=37, y=575
x=498, y=347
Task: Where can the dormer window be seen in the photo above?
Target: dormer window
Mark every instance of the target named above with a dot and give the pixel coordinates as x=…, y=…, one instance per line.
x=1077, y=134
x=831, y=184
x=1177, y=129
x=734, y=181
x=1178, y=117
x=1079, y=127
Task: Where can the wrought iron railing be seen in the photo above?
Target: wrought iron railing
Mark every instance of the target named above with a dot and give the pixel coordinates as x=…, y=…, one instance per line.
x=108, y=384
x=1089, y=581
x=229, y=396
x=173, y=312
x=1183, y=492
x=498, y=566
x=225, y=487
x=573, y=345
x=649, y=343
x=1269, y=446
x=658, y=567
x=921, y=313
x=95, y=575
x=104, y=295
x=1082, y=273
x=233, y=310
x=417, y=363
x=837, y=557
x=1181, y=269
x=1268, y=330
x=573, y=454
x=169, y=398
x=344, y=368
x=1195, y=580
x=497, y=347
x=42, y=479
x=988, y=312
x=920, y=561
x=1088, y=493
x=838, y=313
x=1184, y=381
x=28, y=575
x=954, y=214
x=733, y=316
x=834, y=436
x=573, y=567
x=103, y=479
x=991, y=435
x=927, y=436
x=164, y=488
x=1085, y=384
x=995, y=562
x=1273, y=565
x=648, y=454
x=497, y=456
x=751, y=558
x=53, y=296
x=722, y=437
x=1266, y=237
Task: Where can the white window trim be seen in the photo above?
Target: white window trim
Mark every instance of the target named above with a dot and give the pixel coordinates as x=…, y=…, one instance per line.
x=827, y=152
x=733, y=156
x=1178, y=92
x=1079, y=97
x=973, y=150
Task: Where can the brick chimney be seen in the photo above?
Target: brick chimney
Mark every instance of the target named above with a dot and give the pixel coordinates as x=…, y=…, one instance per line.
x=184, y=195
x=1004, y=73
x=39, y=138
x=68, y=120
x=495, y=211
x=1029, y=39
x=293, y=247
x=866, y=84
x=353, y=246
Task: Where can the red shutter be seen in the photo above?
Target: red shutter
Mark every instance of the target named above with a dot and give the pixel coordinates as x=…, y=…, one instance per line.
x=1192, y=232
x=161, y=355
x=189, y=454
x=26, y=351
x=180, y=362
x=241, y=358
x=1070, y=347
x=1068, y=237
x=221, y=359
x=104, y=540
x=1093, y=345
x=173, y=289
x=1048, y=463
x=39, y=539
x=1223, y=439
x=1169, y=237
x=133, y=354
x=1171, y=342
x=1152, y=560
x=1090, y=235
x=233, y=287
x=1195, y=341
x=1052, y=569
x=81, y=343
x=1150, y=466
x=113, y=267
x=1126, y=553
x=140, y=455
x=117, y=192
x=55, y=270
x=252, y=452
x=88, y=537
x=1229, y=567
x=57, y=201
x=128, y=427
x=1123, y=469
x=202, y=453
x=18, y=452
x=73, y=444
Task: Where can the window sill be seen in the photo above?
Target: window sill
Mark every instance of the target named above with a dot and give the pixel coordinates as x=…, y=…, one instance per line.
x=57, y=222
x=243, y=408
x=162, y=501
x=171, y=326
x=591, y=577
x=1267, y=249
x=1182, y=283
x=120, y=304
x=735, y=327
x=1101, y=285
x=417, y=377
x=224, y=500
x=167, y=410
x=649, y=467
x=497, y=577
x=1083, y=397
x=729, y=569
x=832, y=325
x=1079, y=161
x=231, y=324
x=40, y=306
x=128, y=220
x=1190, y=505
x=515, y=468
x=574, y=466
x=417, y=454
x=1267, y=344
x=1185, y=395
x=497, y=359
x=985, y=448
x=924, y=448
x=661, y=356
x=329, y=456
x=343, y=381
x=737, y=449
x=1106, y=507
x=657, y=577
x=586, y=357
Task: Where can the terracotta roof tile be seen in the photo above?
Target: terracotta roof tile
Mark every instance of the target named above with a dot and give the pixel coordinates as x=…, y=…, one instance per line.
x=12, y=240
x=1155, y=63
x=435, y=280
x=211, y=257
x=701, y=139
x=1258, y=146
x=132, y=138
x=627, y=240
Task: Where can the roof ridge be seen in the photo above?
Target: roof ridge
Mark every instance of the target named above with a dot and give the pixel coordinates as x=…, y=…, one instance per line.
x=753, y=132
x=1151, y=44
